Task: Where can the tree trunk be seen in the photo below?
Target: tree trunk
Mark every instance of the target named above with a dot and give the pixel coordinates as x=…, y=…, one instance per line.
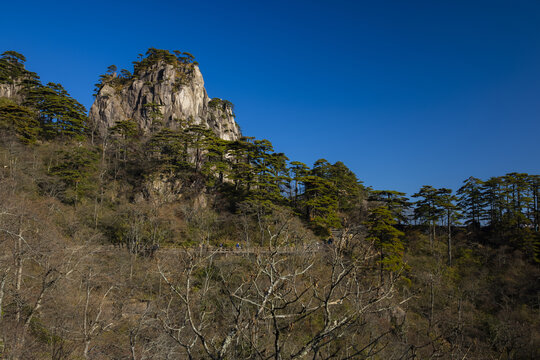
x=449, y=239
x=2, y=284
x=431, y=234
x=431, y=301
x=18, y=277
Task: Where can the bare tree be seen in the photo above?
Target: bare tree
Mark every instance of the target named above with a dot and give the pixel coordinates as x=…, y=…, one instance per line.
x=39, y=260
x=274, y=305
x=93, y=322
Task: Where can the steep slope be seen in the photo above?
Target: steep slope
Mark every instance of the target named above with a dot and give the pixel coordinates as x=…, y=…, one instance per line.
x=162, y=92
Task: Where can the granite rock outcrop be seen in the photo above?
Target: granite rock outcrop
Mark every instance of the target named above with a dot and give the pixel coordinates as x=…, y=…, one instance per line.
x=162, y=95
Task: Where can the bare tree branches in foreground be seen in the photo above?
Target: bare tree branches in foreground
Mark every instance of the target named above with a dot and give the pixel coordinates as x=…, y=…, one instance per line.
x=313, y=305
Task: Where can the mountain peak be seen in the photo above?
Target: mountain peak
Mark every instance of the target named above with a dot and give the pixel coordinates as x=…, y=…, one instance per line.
x=164, y=91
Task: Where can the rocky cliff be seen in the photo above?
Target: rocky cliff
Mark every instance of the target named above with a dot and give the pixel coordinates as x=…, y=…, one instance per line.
x=161, y=93
x=11, y=91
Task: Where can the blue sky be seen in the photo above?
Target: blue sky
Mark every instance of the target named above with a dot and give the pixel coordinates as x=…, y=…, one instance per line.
x=405, y=93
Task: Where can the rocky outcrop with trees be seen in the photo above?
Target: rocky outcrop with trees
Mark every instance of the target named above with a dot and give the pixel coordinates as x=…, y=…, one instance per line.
x=140, y=238
x=164, y=90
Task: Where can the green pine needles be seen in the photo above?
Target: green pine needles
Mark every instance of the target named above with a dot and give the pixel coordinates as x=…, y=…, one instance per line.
x=38, y=111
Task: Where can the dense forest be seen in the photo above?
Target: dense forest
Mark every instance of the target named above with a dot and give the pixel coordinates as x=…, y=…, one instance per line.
x=177, y=244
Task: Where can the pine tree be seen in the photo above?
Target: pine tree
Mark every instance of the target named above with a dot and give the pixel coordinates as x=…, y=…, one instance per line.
x=299, y=171
x=60, y=115
x=12, y=71
x=426, y=209
x=321, y=199
x=395, y=201
x=534, y=210
x=216, y=160
x=168, y=147
x=198, y=138
x=11, y=66
x=20, y=119
x=493, y=201
x=381, y=230
x=123, y=134
x=471, y=201
x=75, y=168
x=349, y=188
x=516, y=185
x=270, y=172
x=242, y=174
x=446, y=203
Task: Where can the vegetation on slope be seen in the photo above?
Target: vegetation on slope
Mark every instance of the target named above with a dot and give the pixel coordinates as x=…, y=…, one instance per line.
x=182, y=245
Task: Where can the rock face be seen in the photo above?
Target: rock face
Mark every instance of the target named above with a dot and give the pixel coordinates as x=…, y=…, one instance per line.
x=166, y=95
x=11, y=91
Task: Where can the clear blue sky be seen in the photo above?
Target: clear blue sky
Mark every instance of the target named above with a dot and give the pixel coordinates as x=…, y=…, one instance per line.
x=405, y=93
